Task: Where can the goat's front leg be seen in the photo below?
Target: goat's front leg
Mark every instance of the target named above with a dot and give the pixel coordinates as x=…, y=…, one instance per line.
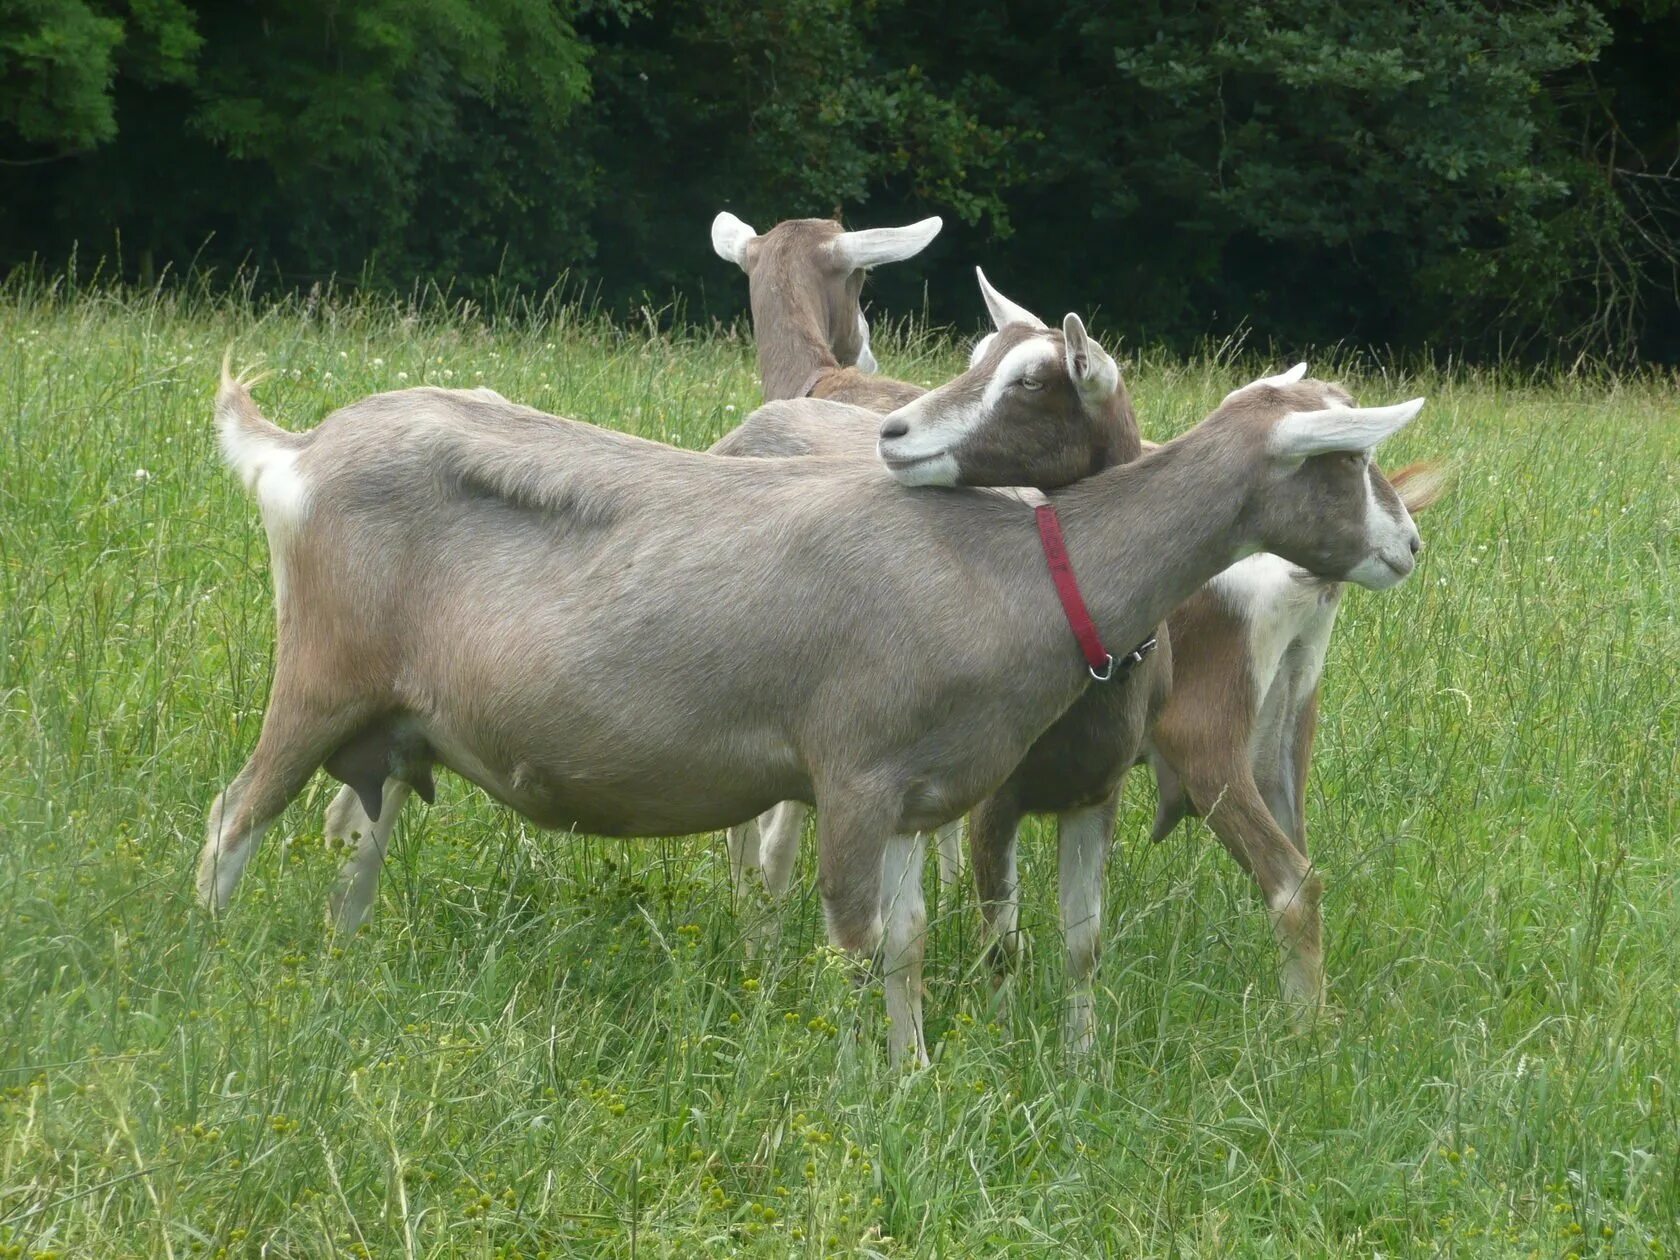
x=905, y=914
x=853, y=836
x=1083, y=837
x=347, y=824
x=1306, y=729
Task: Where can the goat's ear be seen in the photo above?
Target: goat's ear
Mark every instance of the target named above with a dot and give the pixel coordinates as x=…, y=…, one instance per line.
x=853, y=251
x=1303, y=434
x=1419, y=486
x=730, y=238
x=1093, y=373
x=1291, y=377
x=1004, y=311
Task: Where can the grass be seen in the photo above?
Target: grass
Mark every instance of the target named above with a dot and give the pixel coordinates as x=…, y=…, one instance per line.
x=550, y=1045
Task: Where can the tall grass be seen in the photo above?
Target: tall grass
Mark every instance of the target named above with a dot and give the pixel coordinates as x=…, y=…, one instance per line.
x=549, y=1045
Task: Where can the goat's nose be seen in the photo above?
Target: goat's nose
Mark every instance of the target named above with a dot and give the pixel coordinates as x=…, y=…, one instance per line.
x=894, y=429
x=1417, y=544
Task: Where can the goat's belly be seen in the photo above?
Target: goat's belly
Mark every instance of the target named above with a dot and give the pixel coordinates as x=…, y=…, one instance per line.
x=668, y=798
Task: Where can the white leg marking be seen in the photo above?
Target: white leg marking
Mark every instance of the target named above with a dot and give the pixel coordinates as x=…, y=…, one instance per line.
x=780, y=830
x=742, y=844
x=347, y=823
x=226, y=852
x=1083, y=838
x=1294, y=925
x=948, y=844
x=905, y=915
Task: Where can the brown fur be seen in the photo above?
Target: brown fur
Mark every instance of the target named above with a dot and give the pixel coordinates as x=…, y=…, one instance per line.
x=805, y=312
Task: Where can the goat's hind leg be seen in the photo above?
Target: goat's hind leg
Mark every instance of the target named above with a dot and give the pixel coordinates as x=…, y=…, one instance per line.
x=295, y=740
x=1231, y=802
x=348, y=825
x=948, y=844
x=741, y=841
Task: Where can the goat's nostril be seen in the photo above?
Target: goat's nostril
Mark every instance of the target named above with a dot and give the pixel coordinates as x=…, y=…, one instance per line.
x=1417, y=544
x=894, y=429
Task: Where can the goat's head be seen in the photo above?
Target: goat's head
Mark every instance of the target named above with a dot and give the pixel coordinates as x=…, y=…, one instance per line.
x=1037, y=406
x=816, y=267
x=1320, y=501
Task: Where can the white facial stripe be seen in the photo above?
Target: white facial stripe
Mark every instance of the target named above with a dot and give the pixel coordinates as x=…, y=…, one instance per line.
x=1388, y=537
x=939, y=470
x=937, y=427
x=1035, y=357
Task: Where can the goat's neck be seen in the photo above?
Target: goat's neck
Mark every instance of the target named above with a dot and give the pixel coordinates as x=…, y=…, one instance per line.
x=792, y=345
x=1145, y=535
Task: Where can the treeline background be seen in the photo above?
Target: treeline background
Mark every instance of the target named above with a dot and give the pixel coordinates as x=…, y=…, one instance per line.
x=1474, y=177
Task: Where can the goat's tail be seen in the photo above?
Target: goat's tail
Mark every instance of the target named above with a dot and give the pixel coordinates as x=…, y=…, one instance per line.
x=258, y=450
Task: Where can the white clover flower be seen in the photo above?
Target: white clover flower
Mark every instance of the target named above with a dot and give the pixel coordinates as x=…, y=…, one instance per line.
x=402, y=376
x=379, y=363
x=141, y=475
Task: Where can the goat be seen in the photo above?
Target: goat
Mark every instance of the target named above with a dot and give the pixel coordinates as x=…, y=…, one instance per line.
x=530, y=602
x=1075, y=769
x=804, y=278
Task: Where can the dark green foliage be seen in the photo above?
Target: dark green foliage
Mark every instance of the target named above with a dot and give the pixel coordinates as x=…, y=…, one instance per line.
x=1493, y=175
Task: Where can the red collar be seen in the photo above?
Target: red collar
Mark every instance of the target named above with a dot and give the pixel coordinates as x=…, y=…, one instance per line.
x=1100, y=662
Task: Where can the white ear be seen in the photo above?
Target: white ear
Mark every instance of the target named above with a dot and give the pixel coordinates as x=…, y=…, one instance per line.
x=1003, y=310
x=874, y=246
x=730, y=238
x=1290, y=377
x=1093, y=373
x=1302, y=434
x=980, y=348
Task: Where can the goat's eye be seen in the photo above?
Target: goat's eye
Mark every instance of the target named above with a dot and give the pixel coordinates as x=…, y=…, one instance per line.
x=1030, y=382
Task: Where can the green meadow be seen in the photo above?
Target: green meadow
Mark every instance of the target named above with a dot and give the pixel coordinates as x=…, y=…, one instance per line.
x=551, y=1045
